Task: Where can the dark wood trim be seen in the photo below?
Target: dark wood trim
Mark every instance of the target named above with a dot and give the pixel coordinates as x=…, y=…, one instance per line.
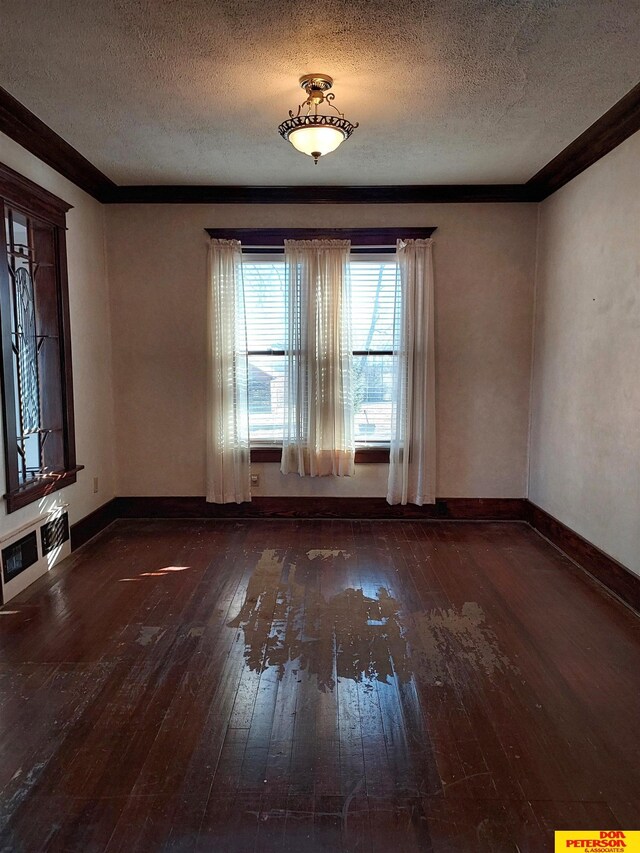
x=615, y=577
x=28, y=196
x=266, y=454
x=485, y=509
x=64, y=319
x=363, y=454
x=619, y=580
x=616, y=125
x=609, y=131
x=261, y=237
x=9, y=425
x=392, y=194
x=28, y=130
x=40, y=488
x=92, y=524
x=49, y=211
x=282, y=352
x=372, y=455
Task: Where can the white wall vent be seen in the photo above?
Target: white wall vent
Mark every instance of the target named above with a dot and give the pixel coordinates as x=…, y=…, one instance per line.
x=30, y=551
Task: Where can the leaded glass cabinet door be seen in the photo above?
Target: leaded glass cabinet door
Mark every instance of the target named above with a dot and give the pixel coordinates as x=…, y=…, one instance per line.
x=33, y=387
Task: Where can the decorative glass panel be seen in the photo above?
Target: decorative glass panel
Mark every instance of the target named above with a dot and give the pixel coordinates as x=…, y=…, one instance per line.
x=36, y=350
x=24, y=341
x=27, y=350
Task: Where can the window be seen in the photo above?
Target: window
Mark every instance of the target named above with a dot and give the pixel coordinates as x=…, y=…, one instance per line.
x=264, y=295
x=373, y=282
x=373, y=291
x=36, y=356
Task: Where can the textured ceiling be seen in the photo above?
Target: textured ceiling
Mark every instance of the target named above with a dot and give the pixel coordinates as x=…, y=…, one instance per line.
x=192, y=91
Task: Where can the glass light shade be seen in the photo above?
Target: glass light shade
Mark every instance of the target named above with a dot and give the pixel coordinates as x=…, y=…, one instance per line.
x=312, y=140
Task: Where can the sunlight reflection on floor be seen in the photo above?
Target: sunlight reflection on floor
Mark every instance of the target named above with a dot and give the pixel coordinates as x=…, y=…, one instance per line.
x=318, y=619
x=161, y=573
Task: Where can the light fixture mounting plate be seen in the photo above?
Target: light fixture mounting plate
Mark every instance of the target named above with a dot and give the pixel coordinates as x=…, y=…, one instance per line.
x=316, y=81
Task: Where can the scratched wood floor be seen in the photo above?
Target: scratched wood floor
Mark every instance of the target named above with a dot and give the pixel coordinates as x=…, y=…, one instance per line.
x=316, y=685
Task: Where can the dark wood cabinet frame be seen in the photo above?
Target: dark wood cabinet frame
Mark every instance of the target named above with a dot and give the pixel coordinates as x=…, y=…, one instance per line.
x=27, y=197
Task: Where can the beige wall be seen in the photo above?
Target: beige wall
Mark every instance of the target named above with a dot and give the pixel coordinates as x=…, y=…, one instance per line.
x=585, y=428
x=91, y=346
x=147, y=333
x=484, y=265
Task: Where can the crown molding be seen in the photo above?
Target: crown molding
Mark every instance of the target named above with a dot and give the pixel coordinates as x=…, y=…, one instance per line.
x=605, y=134
x=609, y=131
x=403, y=194
x=22, y=192
x=21, y=125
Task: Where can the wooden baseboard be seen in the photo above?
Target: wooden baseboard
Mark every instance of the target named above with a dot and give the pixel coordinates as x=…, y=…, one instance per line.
x=613, y=575
x=609, y=572
x=92, y=524
x=486, y=509
x=461, y=509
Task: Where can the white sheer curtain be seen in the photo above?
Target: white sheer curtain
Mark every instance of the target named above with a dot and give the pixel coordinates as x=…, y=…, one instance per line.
x=228, y=455
x=318, y=433
x=412, y=468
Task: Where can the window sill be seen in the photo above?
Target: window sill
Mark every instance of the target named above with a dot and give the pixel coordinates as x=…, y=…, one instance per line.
x=366, y=455
x=40, y=488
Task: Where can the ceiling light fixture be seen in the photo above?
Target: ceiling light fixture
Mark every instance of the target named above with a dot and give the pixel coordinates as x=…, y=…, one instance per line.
x=311, y=132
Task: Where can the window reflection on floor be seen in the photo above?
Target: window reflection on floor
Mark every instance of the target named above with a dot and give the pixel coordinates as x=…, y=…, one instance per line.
x=308, y=613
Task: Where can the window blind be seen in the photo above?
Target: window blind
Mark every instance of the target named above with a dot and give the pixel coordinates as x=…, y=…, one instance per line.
x=373, y=295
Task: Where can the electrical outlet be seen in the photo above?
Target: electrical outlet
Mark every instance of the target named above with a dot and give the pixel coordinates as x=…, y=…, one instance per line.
x=95, y=485
x=255, y=480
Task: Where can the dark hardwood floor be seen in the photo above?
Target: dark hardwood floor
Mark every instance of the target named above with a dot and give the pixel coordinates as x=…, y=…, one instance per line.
x=316, y=685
